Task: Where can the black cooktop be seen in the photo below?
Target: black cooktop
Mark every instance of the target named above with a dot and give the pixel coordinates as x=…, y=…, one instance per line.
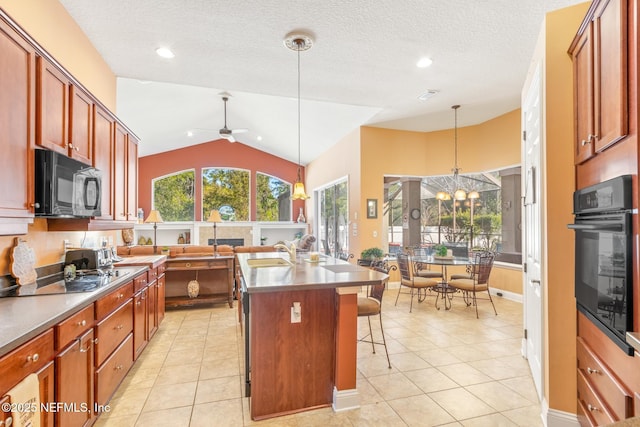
x=83, y=281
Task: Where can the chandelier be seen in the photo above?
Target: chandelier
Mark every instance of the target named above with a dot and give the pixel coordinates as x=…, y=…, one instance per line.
x=299, y=43
x=458, y=193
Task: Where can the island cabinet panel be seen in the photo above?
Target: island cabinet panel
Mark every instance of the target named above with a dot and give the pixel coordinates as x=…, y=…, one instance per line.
x=292, y=364
x=17, y=121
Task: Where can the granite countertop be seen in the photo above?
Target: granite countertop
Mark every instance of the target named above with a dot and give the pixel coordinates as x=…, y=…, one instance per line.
x=327, y=273
x=149, y=260
x=23, y=318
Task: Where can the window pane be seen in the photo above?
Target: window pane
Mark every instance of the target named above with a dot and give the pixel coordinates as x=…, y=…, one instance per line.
x=226, y=190
x=273, y=202
x=173, y=196
x=334, y=215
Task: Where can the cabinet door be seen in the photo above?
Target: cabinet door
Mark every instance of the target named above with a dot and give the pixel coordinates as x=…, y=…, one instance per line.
x=5, y=416
x=119, y=174
x=583, y=96
x=52, y=124
x=610, y=68
x=132, y=178
x=160, y=293
x=17, y=112
x=46, y=378
x=103, y=149
x=80, y=125
x=152, y=311
x=140, y=308
x=74, y=381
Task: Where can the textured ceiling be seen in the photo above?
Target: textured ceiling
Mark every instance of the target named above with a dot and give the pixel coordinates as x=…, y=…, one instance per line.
x=360, y=71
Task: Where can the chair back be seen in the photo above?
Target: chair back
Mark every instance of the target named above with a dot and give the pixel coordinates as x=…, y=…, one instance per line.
x=376, y=291
x=482, y=266
x=404, y=264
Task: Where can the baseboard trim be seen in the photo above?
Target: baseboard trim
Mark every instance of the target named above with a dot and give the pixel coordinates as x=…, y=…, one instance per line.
x=512, y=296
x=344, y=400
x=555, y=418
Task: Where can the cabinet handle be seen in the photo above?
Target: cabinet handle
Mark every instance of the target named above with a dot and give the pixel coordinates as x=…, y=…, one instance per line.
x=592, y=408
x=138, y=302
x=593, y=371
x=95, y=341
x=119, y=368
x=117, y=328
x=35, y=205
x=82, y=350
x=120, y=296
x=33, y=358
x=73, y=147
x=188, y=264
x=589, y=139
x=82, y=323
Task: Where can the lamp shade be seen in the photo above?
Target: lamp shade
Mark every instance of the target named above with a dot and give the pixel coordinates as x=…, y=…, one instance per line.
x=214, y=216
x=460, y=195
x=473, y=195
x=441, y=195
x=298, y=192
x=154, y=216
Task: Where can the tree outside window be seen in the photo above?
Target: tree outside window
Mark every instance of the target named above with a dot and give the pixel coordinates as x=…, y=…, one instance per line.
x=228, y=188
x=173, y=196
x=273, y=202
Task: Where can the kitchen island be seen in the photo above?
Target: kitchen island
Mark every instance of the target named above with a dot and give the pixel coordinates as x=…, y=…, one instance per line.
x=300, y=325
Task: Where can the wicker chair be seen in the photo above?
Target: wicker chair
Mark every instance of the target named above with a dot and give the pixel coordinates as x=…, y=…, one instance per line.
x=371, y=305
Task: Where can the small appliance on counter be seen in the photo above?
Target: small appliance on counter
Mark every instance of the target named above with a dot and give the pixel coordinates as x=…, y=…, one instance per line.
x=89, y=259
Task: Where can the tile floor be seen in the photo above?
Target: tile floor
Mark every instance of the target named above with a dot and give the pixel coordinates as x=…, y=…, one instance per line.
x=448, y=369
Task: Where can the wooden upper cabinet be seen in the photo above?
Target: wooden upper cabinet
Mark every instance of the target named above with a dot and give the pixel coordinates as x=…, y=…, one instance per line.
x=583, y=94
x=132, y=178
x=52, y=123
x=104, y=125
x=610, y=73
x=80, y=125
x=119, y=174
x=599, y=54
x=17, y=112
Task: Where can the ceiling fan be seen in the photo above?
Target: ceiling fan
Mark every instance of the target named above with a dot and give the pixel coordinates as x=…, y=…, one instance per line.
x=225, y=132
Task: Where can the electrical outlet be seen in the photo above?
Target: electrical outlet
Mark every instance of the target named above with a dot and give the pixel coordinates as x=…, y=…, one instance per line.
x=66, y=244
x=296, y=313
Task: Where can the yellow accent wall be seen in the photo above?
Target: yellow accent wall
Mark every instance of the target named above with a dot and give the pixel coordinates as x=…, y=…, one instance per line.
x=49, y=24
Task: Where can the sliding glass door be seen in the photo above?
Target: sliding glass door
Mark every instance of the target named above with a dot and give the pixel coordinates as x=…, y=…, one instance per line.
x=333, y=224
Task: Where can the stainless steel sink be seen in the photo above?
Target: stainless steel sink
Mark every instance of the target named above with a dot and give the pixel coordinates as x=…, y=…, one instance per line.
x=268, y=262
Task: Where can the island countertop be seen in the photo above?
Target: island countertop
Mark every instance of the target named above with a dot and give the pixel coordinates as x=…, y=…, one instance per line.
x=303, y=275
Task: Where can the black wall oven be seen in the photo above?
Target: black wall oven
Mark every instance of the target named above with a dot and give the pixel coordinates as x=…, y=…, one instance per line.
x=603, y=270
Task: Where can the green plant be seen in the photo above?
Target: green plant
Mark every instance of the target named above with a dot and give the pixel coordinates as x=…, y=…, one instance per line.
x=440, y=250
x=371, y=253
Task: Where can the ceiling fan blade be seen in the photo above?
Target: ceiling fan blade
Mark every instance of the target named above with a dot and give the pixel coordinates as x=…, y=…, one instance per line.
x=239, y=130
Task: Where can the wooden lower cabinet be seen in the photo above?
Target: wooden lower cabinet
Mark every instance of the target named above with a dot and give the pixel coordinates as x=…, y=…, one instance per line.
x=111, y=373
x=74, y=382
x=140, y=308
x=152, y=311
x=160, y=293
x=47, y=380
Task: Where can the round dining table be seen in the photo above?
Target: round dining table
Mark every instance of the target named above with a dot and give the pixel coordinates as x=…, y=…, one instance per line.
x=443, y=289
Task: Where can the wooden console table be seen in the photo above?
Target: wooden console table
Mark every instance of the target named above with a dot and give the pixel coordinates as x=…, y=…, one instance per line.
x=213, y=273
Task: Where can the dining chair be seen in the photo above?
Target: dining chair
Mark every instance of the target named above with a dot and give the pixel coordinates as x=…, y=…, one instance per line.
x=422, y=269
x=479, y=281
x=417, y=285
x=371, y=305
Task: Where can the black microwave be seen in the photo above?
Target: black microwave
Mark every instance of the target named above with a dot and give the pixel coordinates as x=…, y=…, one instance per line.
x=65, y=187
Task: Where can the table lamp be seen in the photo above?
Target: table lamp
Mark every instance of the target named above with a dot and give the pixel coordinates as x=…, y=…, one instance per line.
x=155, y=218
x=215, y=218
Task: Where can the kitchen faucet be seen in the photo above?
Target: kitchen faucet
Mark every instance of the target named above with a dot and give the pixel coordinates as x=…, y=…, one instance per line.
x=291, y=250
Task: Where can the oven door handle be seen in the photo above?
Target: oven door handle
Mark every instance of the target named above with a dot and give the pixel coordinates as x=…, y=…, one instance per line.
x=602, y=226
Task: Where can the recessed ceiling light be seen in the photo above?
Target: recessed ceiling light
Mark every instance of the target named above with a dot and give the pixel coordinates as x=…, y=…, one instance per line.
x=189, y=133
x=424, y=62
x=429, y=93
x=165, y=52
x=259, y=138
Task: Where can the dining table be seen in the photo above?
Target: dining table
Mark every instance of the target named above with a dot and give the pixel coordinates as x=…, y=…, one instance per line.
x=442, y=289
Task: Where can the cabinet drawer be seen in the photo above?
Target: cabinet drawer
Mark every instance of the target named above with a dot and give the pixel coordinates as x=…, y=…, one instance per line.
x=161, y=268
x=140, y=282
x=112, y=330
x=74, y=326
x=590, y=403
x=190, y=264
x=152, y=275
x=111, y=301
x=111, y=373
x=26, y=359
x=604, y=382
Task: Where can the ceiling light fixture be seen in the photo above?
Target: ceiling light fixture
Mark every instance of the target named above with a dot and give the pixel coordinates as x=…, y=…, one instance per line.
x=299, y=43
x=424, y=62
x=428, y=94
x=164, y=52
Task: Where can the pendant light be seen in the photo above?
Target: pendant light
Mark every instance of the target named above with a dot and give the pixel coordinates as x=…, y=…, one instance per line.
x=459, y=193
x=299, y=43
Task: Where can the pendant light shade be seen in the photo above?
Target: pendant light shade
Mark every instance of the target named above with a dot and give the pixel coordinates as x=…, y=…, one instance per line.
x=299, y=42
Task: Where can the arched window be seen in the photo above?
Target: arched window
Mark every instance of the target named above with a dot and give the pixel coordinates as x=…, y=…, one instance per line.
x=273, y=198
x=226, y=187
x=173, y=196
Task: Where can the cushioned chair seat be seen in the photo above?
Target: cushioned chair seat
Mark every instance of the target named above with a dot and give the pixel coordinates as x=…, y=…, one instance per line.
x=468, y=285
x=368, y=307
x=419, y=282
x=429, y=274
x=461, y=276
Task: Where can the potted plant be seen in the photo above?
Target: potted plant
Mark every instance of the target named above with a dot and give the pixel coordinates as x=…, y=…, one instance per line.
x=369, y=255
x=440, y=250
x=165, y=250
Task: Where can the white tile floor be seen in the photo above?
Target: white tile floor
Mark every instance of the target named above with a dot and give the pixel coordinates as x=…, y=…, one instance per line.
x=448, y=369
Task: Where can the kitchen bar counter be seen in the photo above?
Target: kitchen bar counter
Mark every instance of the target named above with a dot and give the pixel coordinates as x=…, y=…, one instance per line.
x=300, y=326
x=23, y=318
x=328, y=273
